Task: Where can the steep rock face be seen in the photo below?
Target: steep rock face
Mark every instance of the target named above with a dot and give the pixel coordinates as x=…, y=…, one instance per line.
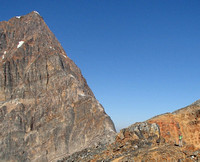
x=47, y=110
x=156, y=139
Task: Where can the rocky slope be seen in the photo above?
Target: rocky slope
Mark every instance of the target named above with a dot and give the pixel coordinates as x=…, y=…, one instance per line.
x=153, y=140
x=47, y=110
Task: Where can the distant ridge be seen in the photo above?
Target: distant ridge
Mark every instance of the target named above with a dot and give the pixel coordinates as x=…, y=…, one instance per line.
x=156, y=139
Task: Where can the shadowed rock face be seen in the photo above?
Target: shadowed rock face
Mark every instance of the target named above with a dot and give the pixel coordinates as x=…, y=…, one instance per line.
x=47, y=110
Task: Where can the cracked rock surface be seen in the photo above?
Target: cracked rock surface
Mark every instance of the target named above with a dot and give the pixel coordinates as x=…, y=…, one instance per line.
x=47, y=110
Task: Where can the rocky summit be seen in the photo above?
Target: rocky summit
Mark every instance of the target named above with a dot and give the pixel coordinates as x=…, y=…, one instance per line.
x=47, y=110
x=155, y=140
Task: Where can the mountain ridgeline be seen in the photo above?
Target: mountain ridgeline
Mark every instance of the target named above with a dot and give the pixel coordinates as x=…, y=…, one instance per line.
x=154, y=140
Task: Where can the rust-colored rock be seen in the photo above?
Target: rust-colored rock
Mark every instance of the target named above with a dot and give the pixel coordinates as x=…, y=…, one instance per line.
x=155, y=140
x=185, y=121
x=47, y=110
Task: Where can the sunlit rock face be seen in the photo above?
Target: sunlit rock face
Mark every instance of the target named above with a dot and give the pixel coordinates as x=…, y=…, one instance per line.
x=156, y=139
x=47, y=110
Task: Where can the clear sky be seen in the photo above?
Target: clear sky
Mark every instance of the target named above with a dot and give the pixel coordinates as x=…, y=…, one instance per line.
x=141, y=58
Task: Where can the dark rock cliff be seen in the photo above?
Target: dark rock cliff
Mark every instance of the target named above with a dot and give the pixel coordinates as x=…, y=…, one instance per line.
x=47, y=110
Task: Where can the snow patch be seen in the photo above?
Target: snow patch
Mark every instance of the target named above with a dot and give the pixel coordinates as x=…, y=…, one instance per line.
x=4, y=52
x=20, y=44
x=3, y=57
x=71, y=76
x=18, y=17
x=82, y=94
x=64, y=56
x=51, y=48
x=36, y=12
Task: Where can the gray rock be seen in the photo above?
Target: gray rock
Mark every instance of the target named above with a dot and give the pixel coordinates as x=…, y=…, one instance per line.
x=47, y=110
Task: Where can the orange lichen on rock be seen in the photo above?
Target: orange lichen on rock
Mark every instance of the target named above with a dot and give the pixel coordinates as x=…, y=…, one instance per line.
x=185, y=121
x=156, y=139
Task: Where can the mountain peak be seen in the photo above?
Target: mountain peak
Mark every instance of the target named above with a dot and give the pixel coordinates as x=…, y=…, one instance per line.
x=34, y=16
x=33, y=13
x=47, y=110
x=29, y=29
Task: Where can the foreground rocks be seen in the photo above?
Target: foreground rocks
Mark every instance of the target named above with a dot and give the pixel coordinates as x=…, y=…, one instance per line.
x=153, y=140
x=47, y=110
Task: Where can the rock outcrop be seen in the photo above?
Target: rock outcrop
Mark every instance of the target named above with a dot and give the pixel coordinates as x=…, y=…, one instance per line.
x=47, y=110
x=156, y=139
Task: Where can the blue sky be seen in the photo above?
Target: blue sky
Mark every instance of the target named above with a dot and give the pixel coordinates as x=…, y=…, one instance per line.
x=139, y=57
